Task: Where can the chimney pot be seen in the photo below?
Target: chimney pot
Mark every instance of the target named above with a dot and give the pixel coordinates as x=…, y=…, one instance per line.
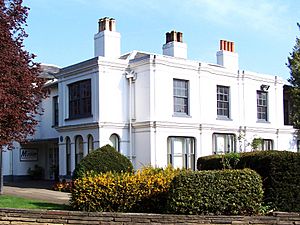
x=112, y=24
x=179, y=37
x=226, y=45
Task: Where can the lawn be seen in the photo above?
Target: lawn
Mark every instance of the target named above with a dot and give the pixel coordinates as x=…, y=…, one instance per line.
x=8, y=201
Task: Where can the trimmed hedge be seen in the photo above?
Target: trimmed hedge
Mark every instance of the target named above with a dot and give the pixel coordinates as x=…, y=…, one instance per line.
x=102, y=160
x=227, y=192
x=280, y=171
x=144, y=191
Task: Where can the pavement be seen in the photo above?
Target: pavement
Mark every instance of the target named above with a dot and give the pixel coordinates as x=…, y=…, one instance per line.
x=39, y=190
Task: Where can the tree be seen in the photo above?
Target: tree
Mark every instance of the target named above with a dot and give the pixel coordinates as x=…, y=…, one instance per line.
x=21, y=88
x=294, y=66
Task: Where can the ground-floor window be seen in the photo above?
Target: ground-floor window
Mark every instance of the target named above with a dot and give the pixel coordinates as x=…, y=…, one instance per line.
x=68, y=155
x=115, y=141
x=267, y=144
x=78, y=149
x=223, y=143
x=90, y=143
x=181, y=152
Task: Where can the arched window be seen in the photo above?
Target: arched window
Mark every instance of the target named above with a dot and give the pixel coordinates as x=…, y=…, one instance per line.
x=68, y=155
x=115, y=141
x=90, y=143
x=78, y=149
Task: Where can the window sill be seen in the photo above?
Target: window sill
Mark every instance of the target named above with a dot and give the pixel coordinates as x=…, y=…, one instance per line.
x=223, y=118
x=181, y=115
x=79, y=117
x=262, y=121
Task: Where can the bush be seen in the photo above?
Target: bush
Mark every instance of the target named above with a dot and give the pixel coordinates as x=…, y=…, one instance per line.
x=144, y=191
x=64, y=186
x=228, y=192
x=103, y=160
x=280, y=171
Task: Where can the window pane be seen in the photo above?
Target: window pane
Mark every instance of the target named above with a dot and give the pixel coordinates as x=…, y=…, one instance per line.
x=223, y=101
x=80, y=99
x=224, y=143
x=181, y=152
x=262, y=105
x=180, y=92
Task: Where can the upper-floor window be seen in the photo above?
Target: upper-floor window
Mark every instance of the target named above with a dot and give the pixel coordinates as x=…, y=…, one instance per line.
x=55, y=111
x=181, y=99
x=262, y=105
x=222, y=101
x=223, y=143
x=80, y=99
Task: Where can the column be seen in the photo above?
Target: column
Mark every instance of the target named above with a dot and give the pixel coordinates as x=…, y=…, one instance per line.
x=62, y=159
x=73, y=155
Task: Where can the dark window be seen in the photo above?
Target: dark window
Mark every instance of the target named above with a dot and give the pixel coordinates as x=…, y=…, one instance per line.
x=55, y=110
x=80, y=99
x=298, y=146
x=68, y=155
x=78, y=149
x=262, y=106
x=223, y=101
x=181, y=92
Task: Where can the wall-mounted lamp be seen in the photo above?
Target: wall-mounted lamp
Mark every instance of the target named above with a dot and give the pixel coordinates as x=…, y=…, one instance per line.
x=264, y=87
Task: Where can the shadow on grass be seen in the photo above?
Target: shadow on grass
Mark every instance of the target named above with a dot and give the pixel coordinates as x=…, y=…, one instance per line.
x=51, y=206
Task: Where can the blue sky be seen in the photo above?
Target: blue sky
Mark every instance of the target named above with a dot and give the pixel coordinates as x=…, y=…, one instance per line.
x=61, y=31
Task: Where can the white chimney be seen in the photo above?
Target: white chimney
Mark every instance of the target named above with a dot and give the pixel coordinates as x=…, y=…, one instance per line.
x=226, y=56
x=107, y=42
x=174, y=45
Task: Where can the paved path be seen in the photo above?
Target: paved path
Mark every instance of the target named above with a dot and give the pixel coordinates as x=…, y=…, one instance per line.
x=36, y=191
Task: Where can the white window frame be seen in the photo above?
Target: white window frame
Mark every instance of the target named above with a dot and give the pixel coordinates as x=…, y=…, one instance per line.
x=181, y=93
x=224, y=143
x=223, y=99
x=187, y=153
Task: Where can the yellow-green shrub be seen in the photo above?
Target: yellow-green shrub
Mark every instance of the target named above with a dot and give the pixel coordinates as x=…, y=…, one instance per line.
x=144, y=191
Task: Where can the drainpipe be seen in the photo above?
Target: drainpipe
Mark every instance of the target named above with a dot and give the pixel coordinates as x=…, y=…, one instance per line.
x=131, y=76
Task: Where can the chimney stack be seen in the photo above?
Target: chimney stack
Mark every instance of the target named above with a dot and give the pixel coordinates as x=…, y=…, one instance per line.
x=226, y=56
x=107, y=42
x=174, y=45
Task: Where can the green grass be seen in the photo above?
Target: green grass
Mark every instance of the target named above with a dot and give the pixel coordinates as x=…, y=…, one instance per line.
x=8, y=201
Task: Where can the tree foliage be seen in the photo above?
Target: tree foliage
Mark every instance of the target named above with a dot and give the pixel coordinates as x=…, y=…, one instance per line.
x=21, y=89
x=294, y=66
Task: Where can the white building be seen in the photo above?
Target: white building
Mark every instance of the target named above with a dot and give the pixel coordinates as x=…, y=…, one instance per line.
x=156, y=109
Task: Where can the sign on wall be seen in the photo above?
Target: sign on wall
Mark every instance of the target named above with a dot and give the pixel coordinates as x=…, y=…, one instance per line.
x=28, y=154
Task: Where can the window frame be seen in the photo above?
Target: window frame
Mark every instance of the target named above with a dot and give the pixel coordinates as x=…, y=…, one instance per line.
x=115, y=141
x=226, y=104
x=264, y=143
x=80, y=99
x=78, y=149
x=262, y=109
x=68, y=156
x=55, y=102
x=229, y=140
x=188, y=153
x=181, y=97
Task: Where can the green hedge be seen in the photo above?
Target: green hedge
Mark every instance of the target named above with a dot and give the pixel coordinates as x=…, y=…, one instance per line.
x=227, y=192
x=280, y=171
x=103, y=160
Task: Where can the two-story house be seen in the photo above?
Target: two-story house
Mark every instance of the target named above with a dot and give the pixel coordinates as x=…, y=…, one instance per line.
x=155, y=109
